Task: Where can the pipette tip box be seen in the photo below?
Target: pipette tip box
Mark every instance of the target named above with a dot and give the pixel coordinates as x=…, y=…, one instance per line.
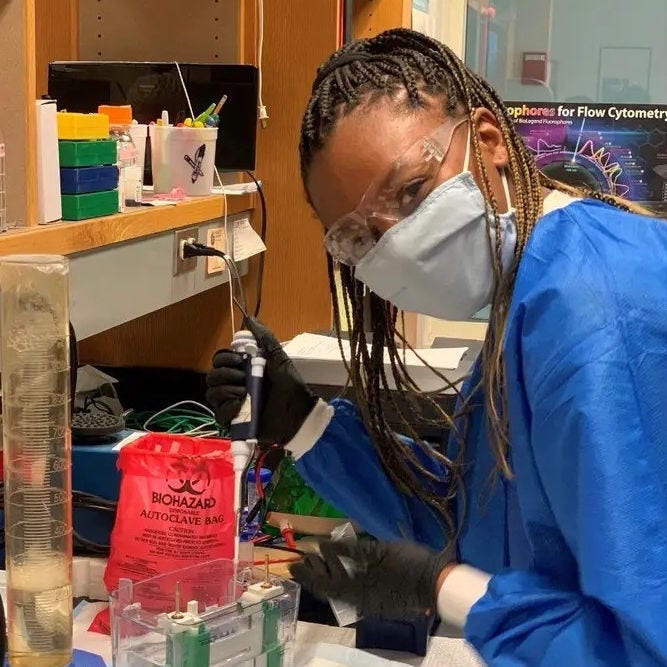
x=84, y=180
x=207, y=615
x=91, y=205
x=91, y=153
x=82, y=126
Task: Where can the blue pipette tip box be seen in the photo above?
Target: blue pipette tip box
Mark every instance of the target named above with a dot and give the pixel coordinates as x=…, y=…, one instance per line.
x=84, y=180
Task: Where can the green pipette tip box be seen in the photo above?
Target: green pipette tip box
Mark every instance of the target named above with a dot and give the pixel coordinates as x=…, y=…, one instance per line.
x=87, y=153
x=93, y=205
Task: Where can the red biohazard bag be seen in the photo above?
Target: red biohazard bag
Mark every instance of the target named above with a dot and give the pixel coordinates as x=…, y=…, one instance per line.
x=176, y=506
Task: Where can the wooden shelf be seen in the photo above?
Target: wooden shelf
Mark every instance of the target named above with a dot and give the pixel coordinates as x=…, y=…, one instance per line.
x=68, y=238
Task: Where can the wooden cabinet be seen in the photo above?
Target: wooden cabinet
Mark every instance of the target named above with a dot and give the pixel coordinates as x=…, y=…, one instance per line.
x=296, y=294
x=374, y=16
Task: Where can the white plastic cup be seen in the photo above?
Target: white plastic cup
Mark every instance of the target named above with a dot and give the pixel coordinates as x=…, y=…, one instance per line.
x=183, y=157
x=139, y=134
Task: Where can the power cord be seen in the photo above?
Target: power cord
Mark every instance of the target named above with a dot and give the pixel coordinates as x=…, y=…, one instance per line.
x=263, y=116
x=262, y=234
x=262, y=112
x=196, y=249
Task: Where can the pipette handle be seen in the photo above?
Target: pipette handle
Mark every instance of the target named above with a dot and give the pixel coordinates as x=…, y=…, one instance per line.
x=245, y=426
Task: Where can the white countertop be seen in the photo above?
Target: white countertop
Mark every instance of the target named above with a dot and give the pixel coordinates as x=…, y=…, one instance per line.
x=442, y=651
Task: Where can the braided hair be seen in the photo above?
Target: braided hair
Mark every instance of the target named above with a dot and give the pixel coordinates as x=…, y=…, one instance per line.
x=409, y=67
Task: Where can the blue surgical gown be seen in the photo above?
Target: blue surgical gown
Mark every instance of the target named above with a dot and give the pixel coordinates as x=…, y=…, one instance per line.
x=577, y=540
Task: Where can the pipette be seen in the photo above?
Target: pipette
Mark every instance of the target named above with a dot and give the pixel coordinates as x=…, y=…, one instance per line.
x=245, y=426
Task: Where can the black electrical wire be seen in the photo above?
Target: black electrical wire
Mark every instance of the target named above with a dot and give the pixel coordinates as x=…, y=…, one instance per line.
x=255, y=510
x=196, y=249
x=82, y=500
x=262, y=233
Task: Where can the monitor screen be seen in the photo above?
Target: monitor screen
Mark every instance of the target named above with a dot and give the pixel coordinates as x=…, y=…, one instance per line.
x=153, y=87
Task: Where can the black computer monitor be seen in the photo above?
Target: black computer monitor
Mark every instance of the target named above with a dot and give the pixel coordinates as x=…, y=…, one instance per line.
x=153, y=87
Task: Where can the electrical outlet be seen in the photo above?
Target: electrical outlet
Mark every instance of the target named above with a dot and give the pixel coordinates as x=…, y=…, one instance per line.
x=216, y=238
x=180, y=237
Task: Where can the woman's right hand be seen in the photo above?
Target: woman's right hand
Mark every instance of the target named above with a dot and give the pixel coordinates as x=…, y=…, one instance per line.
x=287, y=401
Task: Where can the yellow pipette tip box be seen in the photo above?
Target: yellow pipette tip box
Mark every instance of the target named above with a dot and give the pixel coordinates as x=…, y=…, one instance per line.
x=82, y=126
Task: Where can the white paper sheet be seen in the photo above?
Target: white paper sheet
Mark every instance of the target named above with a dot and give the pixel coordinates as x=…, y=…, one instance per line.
x=327, y=348
x=92, y=642
x=247, y=242
x=442, y=651
x=319, y=360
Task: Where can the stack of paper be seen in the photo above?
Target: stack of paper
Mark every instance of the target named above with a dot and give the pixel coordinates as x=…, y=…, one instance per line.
x=319, y=360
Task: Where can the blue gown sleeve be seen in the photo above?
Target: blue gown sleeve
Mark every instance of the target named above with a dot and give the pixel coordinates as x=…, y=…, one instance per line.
x=345, y=470
x=590, y=456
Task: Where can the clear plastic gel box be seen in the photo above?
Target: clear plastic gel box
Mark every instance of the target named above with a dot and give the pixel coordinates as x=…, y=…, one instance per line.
x=210, y=615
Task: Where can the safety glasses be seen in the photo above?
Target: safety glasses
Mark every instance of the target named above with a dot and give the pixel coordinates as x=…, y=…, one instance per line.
x=392, y=197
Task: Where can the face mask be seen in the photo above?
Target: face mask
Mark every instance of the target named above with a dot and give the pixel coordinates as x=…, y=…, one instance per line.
x=438, y=260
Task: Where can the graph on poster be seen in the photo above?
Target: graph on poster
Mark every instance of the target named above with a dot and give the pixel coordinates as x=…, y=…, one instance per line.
x=617, y=149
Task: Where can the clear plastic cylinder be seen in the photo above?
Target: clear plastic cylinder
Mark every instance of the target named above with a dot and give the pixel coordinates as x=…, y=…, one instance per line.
x=34, y=321
x=131, y=176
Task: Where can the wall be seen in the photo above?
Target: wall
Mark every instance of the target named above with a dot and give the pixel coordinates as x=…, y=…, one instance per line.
x=578, y=30
x=584, y=27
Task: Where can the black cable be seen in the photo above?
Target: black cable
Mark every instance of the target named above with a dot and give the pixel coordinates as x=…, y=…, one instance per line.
x=96, y=403
x=254, y=512
x=82, y=500
x=262, y=233
x=196, y=249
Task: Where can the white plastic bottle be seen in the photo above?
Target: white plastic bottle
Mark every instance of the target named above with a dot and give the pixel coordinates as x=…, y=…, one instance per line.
x=131, y=179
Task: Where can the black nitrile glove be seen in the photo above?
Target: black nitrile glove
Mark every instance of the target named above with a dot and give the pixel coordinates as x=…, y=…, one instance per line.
x=287, y=401
x=390, y=579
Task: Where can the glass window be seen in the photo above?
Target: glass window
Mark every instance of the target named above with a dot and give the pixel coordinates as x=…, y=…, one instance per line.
x=586, y=82
x=604, y=51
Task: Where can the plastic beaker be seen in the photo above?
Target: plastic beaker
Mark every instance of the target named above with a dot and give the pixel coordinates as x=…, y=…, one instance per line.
x=183, y=157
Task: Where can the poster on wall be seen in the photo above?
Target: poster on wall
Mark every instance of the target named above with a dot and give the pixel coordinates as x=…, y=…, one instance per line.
x=620, y=149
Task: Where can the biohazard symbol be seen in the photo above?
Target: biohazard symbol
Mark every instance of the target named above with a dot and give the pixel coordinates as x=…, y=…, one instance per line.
x=189, y=476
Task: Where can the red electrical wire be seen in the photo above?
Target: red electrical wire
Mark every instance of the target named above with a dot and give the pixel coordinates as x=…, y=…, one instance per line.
x=258, y=470
x=287, y=532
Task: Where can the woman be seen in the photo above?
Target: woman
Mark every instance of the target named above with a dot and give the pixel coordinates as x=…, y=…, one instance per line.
x=554, y=487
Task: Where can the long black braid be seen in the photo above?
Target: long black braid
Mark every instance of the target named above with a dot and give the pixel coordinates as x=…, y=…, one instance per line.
x=408, y=67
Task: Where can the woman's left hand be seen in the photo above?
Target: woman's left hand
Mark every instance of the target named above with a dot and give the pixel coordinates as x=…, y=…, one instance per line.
x=392, y=579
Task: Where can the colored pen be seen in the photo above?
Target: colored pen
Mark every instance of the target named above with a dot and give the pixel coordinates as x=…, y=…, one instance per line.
x=202, y=116
x=221, y=104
